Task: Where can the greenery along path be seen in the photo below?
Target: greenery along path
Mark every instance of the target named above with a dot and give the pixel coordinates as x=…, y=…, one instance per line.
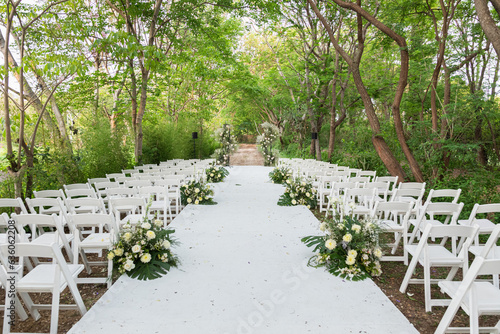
x=243, y=270
x=247, y=155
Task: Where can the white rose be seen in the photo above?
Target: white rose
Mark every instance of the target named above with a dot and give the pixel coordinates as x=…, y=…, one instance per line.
x=356, y=228
x=136, y=249
x=146, y=226
x=111, y=255
x=378, y=252
x=127, y=236
x=146, y=258
x=350, y=260
x=352, y=253
x=166, y=244
x=150, y=235
x=322, y=227
x=119, y=251
x=294, y=202
x=158, y=222
x=196, y=190
x=330, y=244
x=347, y=237
x=129, y=265
x=189, y=200
x=197, y=202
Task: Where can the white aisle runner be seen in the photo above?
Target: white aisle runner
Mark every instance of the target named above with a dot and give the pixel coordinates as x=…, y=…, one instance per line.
x=244, y=271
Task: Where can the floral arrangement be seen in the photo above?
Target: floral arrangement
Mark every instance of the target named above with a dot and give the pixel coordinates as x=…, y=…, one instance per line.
x=349, y=249
x=216, y=174
x=228, y=145
x=196, y=192
x=280, y=174
x=298, y=192
x=265, y=141
x=143, y=251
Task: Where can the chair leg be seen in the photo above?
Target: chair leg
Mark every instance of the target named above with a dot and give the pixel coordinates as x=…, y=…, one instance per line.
x=110, y=273
x=408, y=275
x=427, y=288
x=30, y=305
x=54, y=317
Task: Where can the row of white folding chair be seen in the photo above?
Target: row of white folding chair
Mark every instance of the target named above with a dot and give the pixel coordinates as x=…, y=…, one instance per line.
x=435, y=255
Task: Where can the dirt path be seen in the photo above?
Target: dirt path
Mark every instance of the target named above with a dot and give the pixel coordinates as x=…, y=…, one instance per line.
x=247, y=155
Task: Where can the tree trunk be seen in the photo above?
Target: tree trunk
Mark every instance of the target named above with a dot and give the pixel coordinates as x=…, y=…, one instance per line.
x=490, y=27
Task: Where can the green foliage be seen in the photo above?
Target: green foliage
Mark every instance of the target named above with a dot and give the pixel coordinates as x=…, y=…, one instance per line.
x=103, y=151
x=53, y=168
x=478, y=186
x=216, y=174
x=298, y=192
x=165, y=140
x=280, y=174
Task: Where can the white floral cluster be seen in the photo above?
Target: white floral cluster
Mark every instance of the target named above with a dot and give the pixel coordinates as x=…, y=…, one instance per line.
x=350, y=247
x=216, y=174
x=299, y=192
x=228, y=145
x=266, y=140
x=139, y=243
x=196, y=192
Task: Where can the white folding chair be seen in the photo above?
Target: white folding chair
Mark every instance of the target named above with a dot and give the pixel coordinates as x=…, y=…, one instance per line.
x=76, y=186
x=409, y=195
x=38, y=224
x=475, y=297
x=132, y=208
x=392, y=217
x=412, y=185
x=85, y=205
x=448, y=213
x=325, y=188
x=103, y=239
x=358, y=201
x=138, y=183
x=430, y=255
x=78, y=193
x=382, y=190
x=392, y=180
x=52, y=277
x=481, y=215
x=371, y=173
x=48, y=206
x=16, y=204
x=173, y=185
x=49, y=193
x=120, y=192
x=159, y=201
x=337, y=192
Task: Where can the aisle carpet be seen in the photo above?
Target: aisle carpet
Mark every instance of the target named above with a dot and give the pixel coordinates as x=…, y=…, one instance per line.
x=243, y=270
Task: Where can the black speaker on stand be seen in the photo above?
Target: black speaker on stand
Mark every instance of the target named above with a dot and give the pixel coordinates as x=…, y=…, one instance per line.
x=195, y=136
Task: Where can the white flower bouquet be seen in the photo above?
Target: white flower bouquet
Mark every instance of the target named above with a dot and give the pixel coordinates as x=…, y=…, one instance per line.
x=280, y=174
x=143, y=251
x=196, y=192
x=216, y=174
x=298, y=192
x=349, y=249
